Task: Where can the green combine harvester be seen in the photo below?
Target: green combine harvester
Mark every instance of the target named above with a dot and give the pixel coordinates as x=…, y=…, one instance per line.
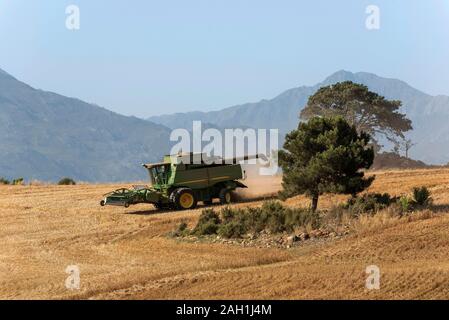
x=180, y=182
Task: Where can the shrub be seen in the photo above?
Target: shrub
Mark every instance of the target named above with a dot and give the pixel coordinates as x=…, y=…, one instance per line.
x=235, y=223
x=272, y=216
x=232, y=229
x=205, y=229
x=208, y=223
x=336, y=213
x=421, y=196
x=368, y=203
x=66, y=182
x=299, y=217
x=272, y=206
x=182, y=226
x=405, y=203
x=257, y=219
x=17, y=182
x=228, y=214
x=181, y=230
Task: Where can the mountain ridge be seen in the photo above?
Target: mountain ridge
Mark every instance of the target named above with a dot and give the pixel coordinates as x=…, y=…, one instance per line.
x=47, y=136
x=283, y=110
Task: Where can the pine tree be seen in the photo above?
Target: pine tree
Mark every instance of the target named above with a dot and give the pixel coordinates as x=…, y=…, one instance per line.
x=325, y=155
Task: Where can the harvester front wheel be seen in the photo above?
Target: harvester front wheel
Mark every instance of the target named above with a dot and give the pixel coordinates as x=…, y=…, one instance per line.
x=161, y=206
x=225, y=196
x=185, y=199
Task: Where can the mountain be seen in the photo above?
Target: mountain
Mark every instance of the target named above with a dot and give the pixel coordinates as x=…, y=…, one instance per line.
x=47, y=136
x=429, y=114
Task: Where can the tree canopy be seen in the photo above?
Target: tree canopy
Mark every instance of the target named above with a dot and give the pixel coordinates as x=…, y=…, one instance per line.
x=325, y=155
x=366, y=110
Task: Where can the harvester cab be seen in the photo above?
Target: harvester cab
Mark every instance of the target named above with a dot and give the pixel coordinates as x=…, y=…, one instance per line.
x=181, y=181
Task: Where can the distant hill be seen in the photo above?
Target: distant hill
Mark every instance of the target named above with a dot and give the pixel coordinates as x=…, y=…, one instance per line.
x=390, y=160
x=47, y=136
x=428, y=113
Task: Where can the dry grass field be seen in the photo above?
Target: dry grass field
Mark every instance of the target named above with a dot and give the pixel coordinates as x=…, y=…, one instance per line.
x=125, y=253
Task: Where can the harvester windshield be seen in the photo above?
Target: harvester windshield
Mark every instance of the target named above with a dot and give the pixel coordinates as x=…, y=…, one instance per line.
x=159, y=174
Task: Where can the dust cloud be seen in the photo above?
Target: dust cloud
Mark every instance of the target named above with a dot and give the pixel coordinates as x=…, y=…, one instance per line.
x=259, y=186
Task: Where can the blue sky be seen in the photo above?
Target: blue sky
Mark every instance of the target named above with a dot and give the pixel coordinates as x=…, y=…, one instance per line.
x=145, y=58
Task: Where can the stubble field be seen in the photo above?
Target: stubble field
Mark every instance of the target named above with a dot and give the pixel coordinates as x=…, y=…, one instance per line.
x=126, y=254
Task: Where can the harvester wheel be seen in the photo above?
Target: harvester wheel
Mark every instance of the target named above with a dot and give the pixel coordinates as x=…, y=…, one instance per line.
x=184, y=199
x=126, y=205
x=225, y=196
x=159, y=206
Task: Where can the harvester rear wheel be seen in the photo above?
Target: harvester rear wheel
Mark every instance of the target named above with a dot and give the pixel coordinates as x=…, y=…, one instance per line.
x=225, y=196
x=184, y=199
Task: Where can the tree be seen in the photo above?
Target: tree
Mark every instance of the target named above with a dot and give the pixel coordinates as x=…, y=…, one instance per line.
x=408, y=144
x=66, y=182
x=396, y=148
x=403, y=144
x=364, y=109
x=325, y=155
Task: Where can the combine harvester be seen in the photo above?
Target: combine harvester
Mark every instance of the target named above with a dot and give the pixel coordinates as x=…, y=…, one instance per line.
x=179, y=182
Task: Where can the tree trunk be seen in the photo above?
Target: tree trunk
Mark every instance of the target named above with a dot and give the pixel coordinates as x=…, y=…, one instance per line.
x=314, y=203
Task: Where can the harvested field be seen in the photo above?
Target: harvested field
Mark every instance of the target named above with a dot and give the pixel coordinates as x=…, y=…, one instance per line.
x=125, y=254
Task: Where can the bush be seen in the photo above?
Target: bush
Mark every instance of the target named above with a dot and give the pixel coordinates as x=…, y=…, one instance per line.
x=232, y=229
x=182, y=226
x=235, y=223
x=66, y=182
x=298, y=217
x=181, y=230
x=272, y=216
x=208, y=223
x=205, y=229
x=406, y=204
x=369, y=203
x=228, y=214
x=421, y=196
x=17, y=182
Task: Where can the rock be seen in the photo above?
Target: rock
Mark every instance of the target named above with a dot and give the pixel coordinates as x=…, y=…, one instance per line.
x=252, y=236
x=291, y=240
x=304, y=236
